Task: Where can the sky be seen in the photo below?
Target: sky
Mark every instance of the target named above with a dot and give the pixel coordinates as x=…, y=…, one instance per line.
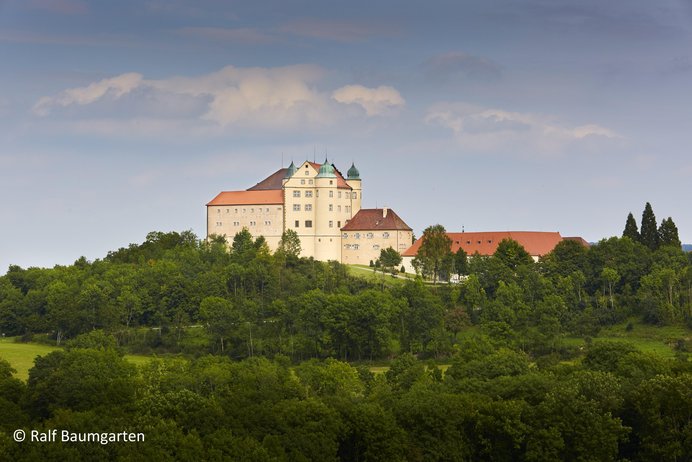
x=121, y=118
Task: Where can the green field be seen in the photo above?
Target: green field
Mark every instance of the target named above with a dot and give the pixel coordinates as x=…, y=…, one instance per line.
x=646, y=337
x=21, y=355
x=366, y=272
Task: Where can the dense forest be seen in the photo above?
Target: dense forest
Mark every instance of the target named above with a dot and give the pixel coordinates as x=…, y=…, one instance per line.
x=264, y=356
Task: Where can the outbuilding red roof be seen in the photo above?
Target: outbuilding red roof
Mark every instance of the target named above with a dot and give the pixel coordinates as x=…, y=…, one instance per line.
x=376, y=219
x=536, y=243
x=271, y=196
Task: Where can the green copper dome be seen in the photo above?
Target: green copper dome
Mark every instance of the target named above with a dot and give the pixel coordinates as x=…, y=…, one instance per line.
x=291, y=170
x=326, y=170
x=353, y=173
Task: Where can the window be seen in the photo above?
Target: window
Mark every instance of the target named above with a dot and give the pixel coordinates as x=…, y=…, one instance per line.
x=339, y=194
x=338, y=223
x=331, y=208
x=302, y=181
x=308, y=223
x=218, y=223
x=357, y=235
x=355, y=246
x=308, y=193
x=370, y=235
x=338, y=208
x=345, y=235
x=236, y=210
x=308, y=207
x=297, y=224
x=309, y=181
x=267, y=210
x=331, y=182
x=331, y=193
x=252, y=210
x=218, y=210
x=296, y=193
x=252, y=223
x=268, y=223
x=331, y=224
x=375, y=247
x=296, y=207
x=385, y=235
x=236, y=223
x=228, y=210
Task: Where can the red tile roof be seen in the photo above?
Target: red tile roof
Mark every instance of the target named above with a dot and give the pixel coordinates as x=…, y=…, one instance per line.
x=271, y=196
x=536, y=243
x=374, y=219
x=580, y=240
x=273, y=181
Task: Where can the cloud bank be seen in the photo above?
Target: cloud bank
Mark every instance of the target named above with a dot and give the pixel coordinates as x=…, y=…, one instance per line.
x=486, y=129
x=278, y=98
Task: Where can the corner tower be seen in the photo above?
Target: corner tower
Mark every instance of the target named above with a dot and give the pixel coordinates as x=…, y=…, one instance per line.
x=354, y=181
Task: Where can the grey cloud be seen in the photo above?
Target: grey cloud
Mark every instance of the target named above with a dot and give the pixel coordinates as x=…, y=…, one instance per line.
x=459, y=64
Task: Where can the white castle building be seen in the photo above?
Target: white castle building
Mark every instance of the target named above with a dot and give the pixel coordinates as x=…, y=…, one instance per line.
x=317, y=202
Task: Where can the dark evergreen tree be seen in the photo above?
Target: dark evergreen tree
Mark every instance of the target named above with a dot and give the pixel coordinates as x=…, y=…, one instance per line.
x=649, y=234
x=631, y=230
x=668, y=233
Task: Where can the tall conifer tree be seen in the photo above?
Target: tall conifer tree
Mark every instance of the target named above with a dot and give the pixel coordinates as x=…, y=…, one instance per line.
x=649, y=228
x=631, y=230
x=668, y=233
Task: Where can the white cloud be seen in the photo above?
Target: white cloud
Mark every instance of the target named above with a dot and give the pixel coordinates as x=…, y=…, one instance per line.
x=277, y=98
x=375, y=101
x=114, y=87
x=486, y=129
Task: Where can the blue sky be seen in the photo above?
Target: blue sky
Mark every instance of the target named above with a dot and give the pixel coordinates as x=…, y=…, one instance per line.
x=119, y=118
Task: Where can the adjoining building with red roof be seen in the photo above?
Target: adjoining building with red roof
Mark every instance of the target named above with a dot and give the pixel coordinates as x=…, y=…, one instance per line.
x=370, y=231
x=536, y=243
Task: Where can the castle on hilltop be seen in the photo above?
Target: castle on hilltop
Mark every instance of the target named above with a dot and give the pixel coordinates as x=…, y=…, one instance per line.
x=321, y=205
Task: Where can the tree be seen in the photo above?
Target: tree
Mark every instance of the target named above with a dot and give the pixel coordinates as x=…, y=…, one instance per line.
x=668, y=233
x=389, y=258
x=435, y=247
x=461, y=264
x=631, y=229
x=220, y=317
x=512, y=254
x=649, y=234
x=289, y=245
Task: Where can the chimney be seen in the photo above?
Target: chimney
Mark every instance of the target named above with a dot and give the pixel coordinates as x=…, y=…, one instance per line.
x=384, y=212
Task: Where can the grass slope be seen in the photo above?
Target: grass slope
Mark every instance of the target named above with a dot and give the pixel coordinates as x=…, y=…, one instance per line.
x=21, y=355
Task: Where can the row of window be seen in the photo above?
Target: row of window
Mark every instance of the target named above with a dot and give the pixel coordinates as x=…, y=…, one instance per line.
x=308, y=208
x=357, y=246
x=308, y=224
x=296, y=193
x=252, y=223
x=252, y=210
x=368, y=235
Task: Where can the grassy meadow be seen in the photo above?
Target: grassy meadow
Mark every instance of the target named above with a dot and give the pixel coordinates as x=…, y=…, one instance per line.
x=21, y=355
